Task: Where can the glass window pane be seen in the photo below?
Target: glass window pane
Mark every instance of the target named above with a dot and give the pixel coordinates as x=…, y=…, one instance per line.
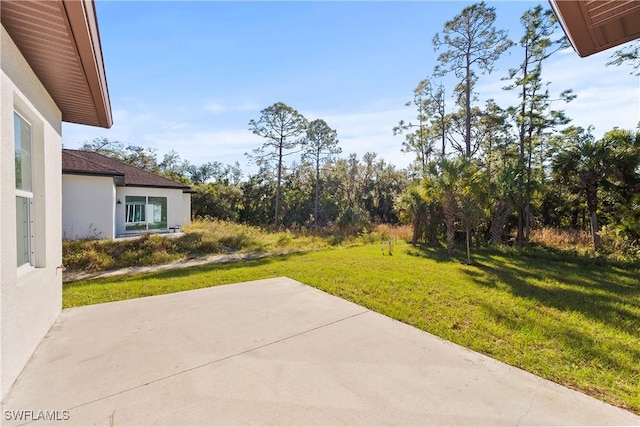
x=22, y=136
x=137, y=200
x=157, y=213
x=22, y=227
x=135, y=213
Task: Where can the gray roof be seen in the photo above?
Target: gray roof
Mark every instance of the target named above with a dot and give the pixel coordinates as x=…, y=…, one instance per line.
x=78, y=162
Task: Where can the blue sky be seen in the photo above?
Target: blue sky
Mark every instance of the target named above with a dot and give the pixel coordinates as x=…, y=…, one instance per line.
x=190, y=75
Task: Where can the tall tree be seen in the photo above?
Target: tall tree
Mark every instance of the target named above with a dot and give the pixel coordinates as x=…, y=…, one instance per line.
x=429, y=125
x=107, y=147
x=142, y=157
x=320, y=145
x=630, y=55
x=282, y=127
x=472, y=44
x=173, y=167
x=532, y=114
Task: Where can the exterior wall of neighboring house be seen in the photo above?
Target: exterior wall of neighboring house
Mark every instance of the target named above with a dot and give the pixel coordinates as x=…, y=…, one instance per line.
x=174, y=206
x=186, y=208
x=30, y=295
x=88, y=207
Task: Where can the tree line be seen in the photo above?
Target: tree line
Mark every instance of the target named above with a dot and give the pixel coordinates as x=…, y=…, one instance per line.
x=489, y=172
x=319, y=190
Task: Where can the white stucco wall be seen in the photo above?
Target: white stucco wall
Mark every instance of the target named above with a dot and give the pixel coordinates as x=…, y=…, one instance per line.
x=30, y=299
x=186, y=208
x=174, y=204
x=88, y=207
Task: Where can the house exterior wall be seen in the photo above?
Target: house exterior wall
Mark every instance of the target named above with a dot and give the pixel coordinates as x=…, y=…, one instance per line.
x=174, y=204
x=88, y=207
x=30, y=297
x=186, y=208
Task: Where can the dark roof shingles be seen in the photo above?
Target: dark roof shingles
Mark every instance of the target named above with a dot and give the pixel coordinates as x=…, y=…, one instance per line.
x=92, y=163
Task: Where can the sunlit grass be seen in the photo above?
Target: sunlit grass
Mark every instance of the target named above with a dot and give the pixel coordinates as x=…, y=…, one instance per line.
x=576, y=323
x=201, y=238
x=205, y=238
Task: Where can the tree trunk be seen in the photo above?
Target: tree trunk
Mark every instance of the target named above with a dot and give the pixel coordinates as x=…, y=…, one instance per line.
x=468, y=246
x=315, y=206
x=442, y=112
x=498, y=219
x=589, y=181
x=276, y=221
x=467, y=122
x=432, y=224
x=450, y=212
x=520, y=237
x=529, y=172
x=595, y=231
x=417, y=225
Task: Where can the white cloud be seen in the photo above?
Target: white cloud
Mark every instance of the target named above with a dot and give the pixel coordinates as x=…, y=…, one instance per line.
x=218, y=107
x=214, y=107
x=370, y=130
x=226, y=146
x=606, y=96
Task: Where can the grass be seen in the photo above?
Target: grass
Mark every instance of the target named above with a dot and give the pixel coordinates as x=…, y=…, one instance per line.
x=204, y=238
x=615, y=246
x=571, y=321
x=200, y=239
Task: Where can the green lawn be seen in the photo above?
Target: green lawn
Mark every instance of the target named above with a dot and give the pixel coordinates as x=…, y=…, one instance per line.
x=575, y=323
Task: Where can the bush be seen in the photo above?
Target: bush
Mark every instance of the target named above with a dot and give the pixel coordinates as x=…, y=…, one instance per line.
x=615, y=242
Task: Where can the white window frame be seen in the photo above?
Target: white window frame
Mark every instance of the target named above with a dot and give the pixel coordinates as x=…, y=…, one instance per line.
x=29, y=196
x=148, y=214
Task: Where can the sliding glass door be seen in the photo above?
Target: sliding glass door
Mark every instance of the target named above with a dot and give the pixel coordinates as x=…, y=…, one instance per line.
x=144, y=213
x=157, y=209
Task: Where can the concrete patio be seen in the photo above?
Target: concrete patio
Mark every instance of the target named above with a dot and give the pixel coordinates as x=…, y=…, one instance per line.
x=274, y=352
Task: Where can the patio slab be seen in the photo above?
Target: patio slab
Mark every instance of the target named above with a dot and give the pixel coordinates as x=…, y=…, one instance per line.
x=274, y=352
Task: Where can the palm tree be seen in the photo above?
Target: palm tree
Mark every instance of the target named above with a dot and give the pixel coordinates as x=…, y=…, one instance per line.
x=502, y=189
x=412, y=207
x=445, y=183
x=472, y=197
x=589, y=161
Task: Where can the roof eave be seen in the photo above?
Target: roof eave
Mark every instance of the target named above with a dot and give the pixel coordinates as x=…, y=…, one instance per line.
x=588, y=37
x=84, y=25
x=38, y=29
x=167, y=187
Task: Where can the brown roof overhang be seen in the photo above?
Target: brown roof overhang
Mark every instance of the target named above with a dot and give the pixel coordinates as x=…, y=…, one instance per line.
x=61, y=42
x=596, y=25
x=79, y=162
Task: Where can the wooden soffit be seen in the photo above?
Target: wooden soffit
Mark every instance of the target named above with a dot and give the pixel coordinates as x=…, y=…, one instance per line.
x=60, y=41
x=596, y=25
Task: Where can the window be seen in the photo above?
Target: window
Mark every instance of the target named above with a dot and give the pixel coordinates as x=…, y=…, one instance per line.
x=135, y=215
x=157, y=213
x=144, y=213
x=24, y=191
